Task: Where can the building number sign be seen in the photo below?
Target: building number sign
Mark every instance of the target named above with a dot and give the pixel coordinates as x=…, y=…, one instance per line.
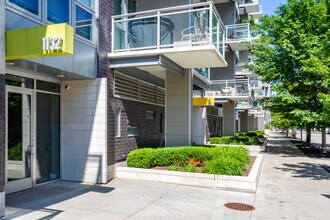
x=52, y=43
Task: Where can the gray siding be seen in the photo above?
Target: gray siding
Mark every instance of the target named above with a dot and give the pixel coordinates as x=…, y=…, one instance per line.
x=225, y=73
x=227, y=13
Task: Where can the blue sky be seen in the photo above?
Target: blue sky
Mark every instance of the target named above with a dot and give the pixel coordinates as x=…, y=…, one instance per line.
x=268, y=6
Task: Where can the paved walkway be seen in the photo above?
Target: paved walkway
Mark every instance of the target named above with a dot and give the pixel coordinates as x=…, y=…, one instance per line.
x=292, y=186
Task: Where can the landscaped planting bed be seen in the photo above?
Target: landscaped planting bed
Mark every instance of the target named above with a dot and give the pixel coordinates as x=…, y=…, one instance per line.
x=210, y=160
x=241, y=138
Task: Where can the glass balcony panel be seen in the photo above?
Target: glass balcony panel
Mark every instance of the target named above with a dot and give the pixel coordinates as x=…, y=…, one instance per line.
x=237, y=32
x=176, y=27
x=229, y=88
x=185, y=28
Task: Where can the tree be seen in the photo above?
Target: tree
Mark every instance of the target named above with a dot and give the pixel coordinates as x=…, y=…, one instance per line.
x=293, y=54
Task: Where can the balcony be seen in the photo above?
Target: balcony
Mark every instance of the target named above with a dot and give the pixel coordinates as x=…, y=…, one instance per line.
x=244, y=104
x=229, y=89
x=250, y=6
x=259, y=94
x=191, y=36
x=256, y=84
x=239, y=36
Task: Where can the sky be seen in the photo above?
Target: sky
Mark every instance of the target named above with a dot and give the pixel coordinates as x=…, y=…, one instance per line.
x=268, y=6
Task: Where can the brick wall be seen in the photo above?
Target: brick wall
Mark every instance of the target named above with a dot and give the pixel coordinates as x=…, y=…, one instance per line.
x=132, y=112
x=2, y=131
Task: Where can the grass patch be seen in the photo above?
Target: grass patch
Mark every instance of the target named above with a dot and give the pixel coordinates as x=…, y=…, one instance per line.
x=212, y=160
x=241, y=138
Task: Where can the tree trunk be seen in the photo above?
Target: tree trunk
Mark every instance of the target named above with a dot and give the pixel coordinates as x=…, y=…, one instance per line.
x=294, y=133
x=287, y=132
x=308, y=136
x=301, y=134
x=324, y=141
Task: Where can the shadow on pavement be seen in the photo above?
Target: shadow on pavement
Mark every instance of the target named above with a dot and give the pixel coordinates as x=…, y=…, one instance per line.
x=306, y=170
x=38, y=198
x=326, y=196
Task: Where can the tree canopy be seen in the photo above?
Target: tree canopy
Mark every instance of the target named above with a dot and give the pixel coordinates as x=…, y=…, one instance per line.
x=293, y=55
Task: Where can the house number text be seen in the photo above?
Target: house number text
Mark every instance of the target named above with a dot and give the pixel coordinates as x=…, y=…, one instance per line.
x=52, y=43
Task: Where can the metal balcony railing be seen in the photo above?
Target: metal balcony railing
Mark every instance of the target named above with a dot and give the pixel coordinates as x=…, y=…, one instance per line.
x=180, y=26
x=256, y=84
x=229, y=88
x=204, y=72
x=238, y=32
x=243, y=104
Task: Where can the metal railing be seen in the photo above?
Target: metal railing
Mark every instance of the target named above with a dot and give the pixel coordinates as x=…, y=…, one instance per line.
x=204, y=72
x=180, y=26
x=238, y=32
x=243, y=104
x=256, y=84
x=229, y=88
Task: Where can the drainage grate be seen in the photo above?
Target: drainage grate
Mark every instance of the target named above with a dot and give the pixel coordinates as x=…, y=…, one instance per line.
x=240, y=206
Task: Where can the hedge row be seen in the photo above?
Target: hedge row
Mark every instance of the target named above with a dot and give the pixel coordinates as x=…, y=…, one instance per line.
x=242, y=138
x=213, y=160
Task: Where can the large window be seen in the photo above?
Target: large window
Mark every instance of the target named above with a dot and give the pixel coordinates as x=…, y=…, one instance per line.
x=29, y=5
x=58, y=11
x=88, y=3
x=84, y=23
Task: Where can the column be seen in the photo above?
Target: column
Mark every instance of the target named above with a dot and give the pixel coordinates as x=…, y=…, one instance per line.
x=2, y=108
x=199, y=122
x=250, y=123
x=178, y=109
x=229, y=119
x=244, y=121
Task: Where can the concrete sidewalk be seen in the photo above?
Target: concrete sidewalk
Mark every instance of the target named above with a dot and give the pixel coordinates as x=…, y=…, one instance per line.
x=292, y=186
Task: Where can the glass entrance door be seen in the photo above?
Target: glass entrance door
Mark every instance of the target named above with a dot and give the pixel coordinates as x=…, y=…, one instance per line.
x=19, y=140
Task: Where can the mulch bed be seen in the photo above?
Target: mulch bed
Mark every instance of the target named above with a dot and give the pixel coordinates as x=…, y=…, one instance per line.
x=311, y=151
x=199, y=169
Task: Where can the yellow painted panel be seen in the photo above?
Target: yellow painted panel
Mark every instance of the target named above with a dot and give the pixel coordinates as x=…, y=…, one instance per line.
x=203, y=102
x=28, y=42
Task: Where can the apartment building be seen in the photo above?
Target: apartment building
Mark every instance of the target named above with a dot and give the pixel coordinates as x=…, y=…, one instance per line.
x=83, y=82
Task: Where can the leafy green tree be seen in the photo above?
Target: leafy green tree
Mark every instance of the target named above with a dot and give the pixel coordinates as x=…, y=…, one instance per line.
x=293, y=54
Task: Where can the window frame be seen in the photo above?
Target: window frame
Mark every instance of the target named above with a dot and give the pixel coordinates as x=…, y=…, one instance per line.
x=74, y=15
x=45, y=15
x=118, y=122
x=26, y=12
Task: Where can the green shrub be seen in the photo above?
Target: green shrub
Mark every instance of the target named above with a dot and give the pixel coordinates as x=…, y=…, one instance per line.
x=15, y=152
x=173, y=168
x=190, y=158
x=190, y=168
x=141, y=158
x=252, y=134
x=268, y=126
x=224, y=166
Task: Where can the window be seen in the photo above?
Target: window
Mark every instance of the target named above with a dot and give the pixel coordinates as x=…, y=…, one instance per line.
x=150, y=115
x=29, y=5
x=19, y=81
x=117, y=122
x=48, y=86
x=125, y=6
x=88, y=3
x=58, y=11
x=84, y=23
x=161, y=122
x=133, y=131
